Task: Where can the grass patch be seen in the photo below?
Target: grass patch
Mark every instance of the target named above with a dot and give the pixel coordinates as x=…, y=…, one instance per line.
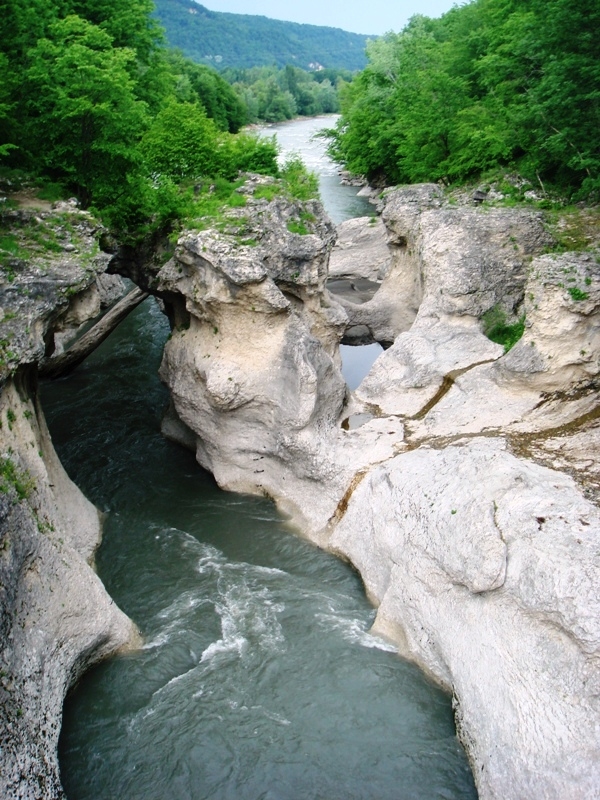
x=267, y=192
x=295, y=226
x=299, y=183
x=299, y=225
x=10, y=249
x=206, y=206
x=577, y=294
x=499, y=330
x=209, y=205
x=574, y=230
x=11, y=477
x=52, y=192
x=46, y=240
x=10, y=244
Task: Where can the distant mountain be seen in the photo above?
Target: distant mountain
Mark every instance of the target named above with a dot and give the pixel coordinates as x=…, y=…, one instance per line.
x=241, y=40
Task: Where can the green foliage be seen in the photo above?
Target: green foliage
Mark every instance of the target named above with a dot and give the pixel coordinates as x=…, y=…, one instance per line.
x=11, y=477
x=5, y=109
x=129, y=23
x=92, y=104
x=268, y=192
x=240, y=40
x=298, y=181
x=249, y=153
x=221, y=194
x=83, y=117
x=182, y=143
x=577, y=294
x=51, y=191
x=497, y=329
x=272, y=95
x=196, y=83
x=9, y=244
x=491, y=84
x=299, y=225
x=294, y=226
x=182, y=146
x=574, y=229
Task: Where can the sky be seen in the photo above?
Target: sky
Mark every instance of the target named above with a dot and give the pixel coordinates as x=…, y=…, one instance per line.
x=360, y=16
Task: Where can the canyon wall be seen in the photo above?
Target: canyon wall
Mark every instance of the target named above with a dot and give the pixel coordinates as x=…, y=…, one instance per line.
x=482, y=560
x=56, y=618
x=460, y=478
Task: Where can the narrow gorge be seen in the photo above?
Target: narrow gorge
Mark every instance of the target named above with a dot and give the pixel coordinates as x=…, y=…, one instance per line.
x=458, y=479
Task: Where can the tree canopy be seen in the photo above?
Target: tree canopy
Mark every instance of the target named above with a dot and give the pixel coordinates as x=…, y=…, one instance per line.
x=93, y=101
x=272, y=95
x=495, y=83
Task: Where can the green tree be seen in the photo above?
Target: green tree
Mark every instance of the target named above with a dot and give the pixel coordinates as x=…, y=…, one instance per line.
x=183, y=142
x=83, y=118
x=200, y=84
x=6, y=132
x=129, y=23
x=491, y=84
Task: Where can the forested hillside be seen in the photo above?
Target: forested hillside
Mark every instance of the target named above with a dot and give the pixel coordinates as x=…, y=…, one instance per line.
x=492, y=84
x=242, y=41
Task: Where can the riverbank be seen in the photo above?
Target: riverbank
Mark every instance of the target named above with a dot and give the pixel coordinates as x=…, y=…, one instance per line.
x=56, y=618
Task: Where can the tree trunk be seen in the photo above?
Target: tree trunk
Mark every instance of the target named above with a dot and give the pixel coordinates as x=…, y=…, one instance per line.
x=57, y=366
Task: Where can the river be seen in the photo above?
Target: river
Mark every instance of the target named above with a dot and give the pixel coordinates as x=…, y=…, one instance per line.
x=258, y=679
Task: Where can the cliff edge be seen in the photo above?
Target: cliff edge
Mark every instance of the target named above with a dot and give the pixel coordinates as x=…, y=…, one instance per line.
x=56, y=618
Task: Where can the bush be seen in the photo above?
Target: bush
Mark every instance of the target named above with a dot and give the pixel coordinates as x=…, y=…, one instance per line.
x=497, y=329
x=299, y=182
x=247, y=153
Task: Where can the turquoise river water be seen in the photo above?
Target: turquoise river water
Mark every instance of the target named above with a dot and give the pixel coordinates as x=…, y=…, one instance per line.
x=258, y=678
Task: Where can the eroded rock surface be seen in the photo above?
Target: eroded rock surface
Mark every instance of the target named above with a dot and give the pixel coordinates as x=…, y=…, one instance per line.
x=253, y=365
x=56, y=618
x=51, y=283
x=485, y=569
x=484, y=565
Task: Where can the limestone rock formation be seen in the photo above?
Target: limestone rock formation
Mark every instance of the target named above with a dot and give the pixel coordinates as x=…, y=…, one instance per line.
x=253, y=362
x=56, y=618
x=55, y=282
x=482, y=563
x=361, y=251
x=550, y=377
x=485, y=570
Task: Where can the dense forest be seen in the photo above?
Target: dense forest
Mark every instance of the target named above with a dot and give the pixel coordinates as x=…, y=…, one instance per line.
x=491, y=84
x=243, y=41
x=272, y=95
x=93, y=104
